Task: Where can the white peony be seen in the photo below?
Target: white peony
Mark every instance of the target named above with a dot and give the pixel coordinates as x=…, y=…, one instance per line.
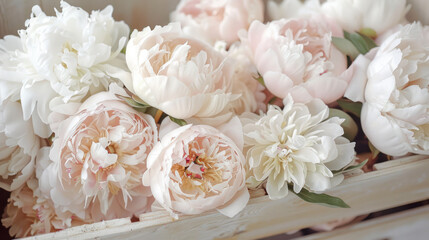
x=394, y=90
x=178, y=74
x=62, y=59
x=354, y=15
x=18, y=146
x=295, y=145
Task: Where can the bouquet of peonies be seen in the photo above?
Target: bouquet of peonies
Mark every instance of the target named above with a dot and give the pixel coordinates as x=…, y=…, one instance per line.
x=97, y=123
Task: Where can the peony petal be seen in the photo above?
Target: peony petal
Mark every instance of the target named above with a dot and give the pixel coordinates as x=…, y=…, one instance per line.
x=236, y=204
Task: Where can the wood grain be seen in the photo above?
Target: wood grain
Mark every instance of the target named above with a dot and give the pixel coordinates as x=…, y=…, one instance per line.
x=388, y=187
x=411, y=224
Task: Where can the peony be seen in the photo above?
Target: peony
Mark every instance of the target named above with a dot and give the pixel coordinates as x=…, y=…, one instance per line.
x=217, y=20
x=62, y=59
x=292, y=8
x=355, y=15
x=178, y=74
x=18, y=146
x=296, y=145
x=297, y=57
x=27, y=213
x=196, y=168
x=245, y=82
x=394, y=92
x=99, y=156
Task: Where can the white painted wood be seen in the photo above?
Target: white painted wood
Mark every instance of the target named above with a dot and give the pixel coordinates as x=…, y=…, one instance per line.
x=388, y=187
x=411, y=224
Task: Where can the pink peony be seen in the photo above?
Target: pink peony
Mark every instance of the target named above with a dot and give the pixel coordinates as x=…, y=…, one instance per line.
x=244, y=82
x=296, y=57
x=99, y=155
x=196, y=168
x=28, y=213
x=219, y=20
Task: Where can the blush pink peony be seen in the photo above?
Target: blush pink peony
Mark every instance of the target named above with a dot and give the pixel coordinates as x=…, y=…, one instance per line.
x=297, y=57
x=219, y=20
x=28, y=213
x=244, y=82
x=196, y=168
x=99, y=155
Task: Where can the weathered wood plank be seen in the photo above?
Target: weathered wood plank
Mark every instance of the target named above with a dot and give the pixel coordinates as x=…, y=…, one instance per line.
x=410, y=224
x=388, y=187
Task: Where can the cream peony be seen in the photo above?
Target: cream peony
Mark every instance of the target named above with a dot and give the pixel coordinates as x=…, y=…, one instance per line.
x=297, y=57
x=296, y=145
x=178, y=74
x=99, y=156
x=62, y=59
x=219, y=20
x=196, y=168
x=394, y=90
x=354, y=15
x=18, y=146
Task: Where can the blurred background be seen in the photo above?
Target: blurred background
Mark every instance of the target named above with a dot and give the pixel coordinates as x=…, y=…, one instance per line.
x=136, y=13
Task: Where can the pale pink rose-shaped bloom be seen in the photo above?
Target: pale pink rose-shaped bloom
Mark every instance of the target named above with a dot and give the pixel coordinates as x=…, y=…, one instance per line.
x=245, y=83
x=178, y=74
x=27, y=213
x=219, y=20
x=99, y=155
x=394, y=89
x=197, y=168
x=297, y=57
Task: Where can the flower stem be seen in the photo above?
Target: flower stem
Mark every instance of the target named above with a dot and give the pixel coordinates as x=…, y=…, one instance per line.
x=158, y=115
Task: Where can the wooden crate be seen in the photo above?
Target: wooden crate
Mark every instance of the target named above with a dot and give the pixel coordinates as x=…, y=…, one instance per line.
x=393, y=183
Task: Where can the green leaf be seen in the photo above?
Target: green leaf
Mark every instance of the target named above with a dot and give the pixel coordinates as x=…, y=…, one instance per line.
x=357, y=41
x=139, y=100
x=369, y=42
x=133, y=103
x=350, y=168
x=373, y=149
x=350, y=106
x=349, y=125
x=180, y=122
x=362, y=43
x=261, y=81
x=346, y=47
x=323, y=199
